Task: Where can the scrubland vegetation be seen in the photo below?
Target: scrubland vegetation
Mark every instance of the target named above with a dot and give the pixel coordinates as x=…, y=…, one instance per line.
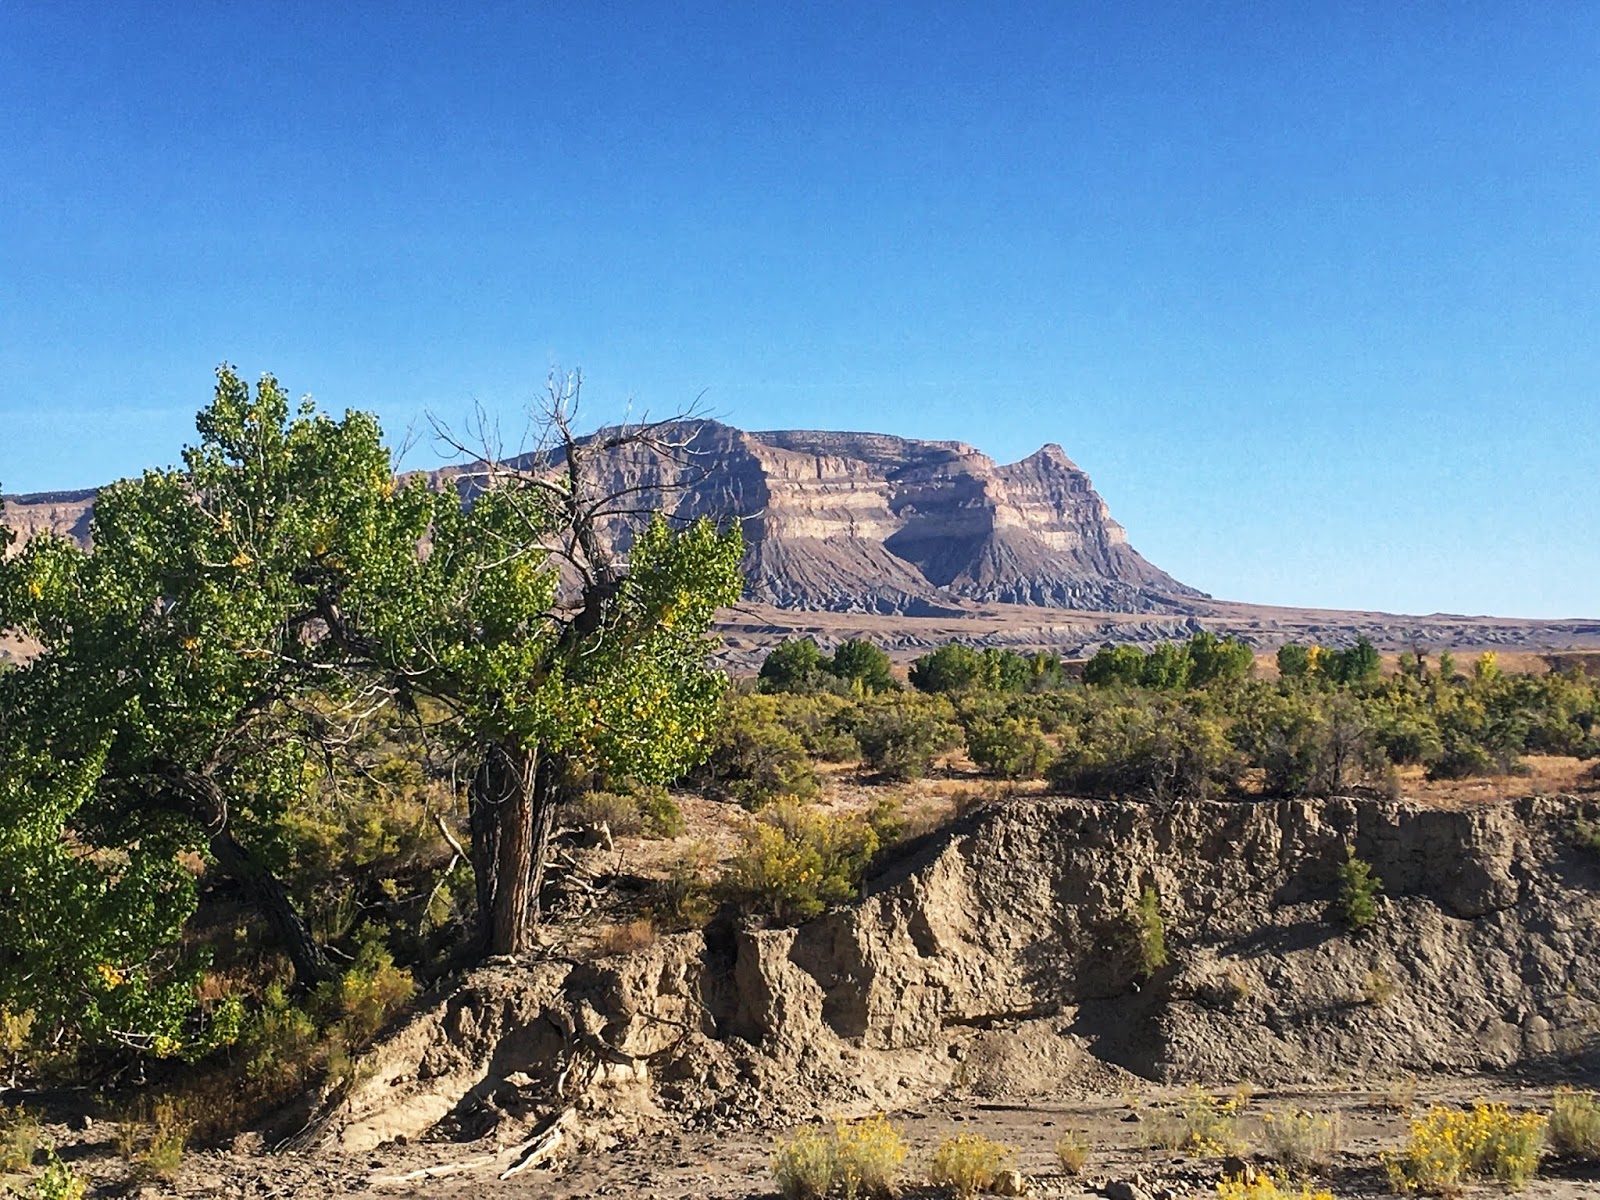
x=276, y=769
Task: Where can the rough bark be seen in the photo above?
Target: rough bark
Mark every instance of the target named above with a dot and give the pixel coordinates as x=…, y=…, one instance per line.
x=513, y=801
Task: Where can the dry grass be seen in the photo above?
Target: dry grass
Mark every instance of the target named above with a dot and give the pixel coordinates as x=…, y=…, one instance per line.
x=1302, y=1140
x=1072, y=1152
x=626, y=937
x=1575, y=1123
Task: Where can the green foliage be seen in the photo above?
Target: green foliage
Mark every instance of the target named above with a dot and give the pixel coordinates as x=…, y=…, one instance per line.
x=795, y=861
x=1294, y=661
x=1115, y=665
x=795, y=666
x=1146, y=748
x=863, y=666
x=20, y=1139
x=900, y=735
x=754, y=758
x=1008, y=747
x=1360, y=663
x=1358, y=893
x=798, y=667
x=57, y=1182
x=954, y=667
x=1147, y=932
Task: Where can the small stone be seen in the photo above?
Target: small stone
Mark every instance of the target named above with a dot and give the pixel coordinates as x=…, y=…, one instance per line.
x=1234, y=1167
x=1133, y=1116
x=1009, y=1183
x=1121, y=1189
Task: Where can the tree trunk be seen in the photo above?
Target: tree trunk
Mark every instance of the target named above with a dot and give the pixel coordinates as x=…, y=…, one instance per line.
x=311, y=965
x=200, y=796
x=512, y=803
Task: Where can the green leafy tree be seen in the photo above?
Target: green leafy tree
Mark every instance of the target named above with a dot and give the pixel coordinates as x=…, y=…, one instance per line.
x=1294, y=660
x=951, y=668
x=862, y=664
x=1115, y=665
x=793, y=666
x=1213, y=659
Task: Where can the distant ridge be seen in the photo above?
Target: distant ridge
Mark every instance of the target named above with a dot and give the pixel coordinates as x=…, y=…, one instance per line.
x=873, y=523
x=859, y=522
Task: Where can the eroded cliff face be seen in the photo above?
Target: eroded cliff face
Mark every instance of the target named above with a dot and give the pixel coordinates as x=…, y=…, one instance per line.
x=995, y=958
x=860, y=522
x=855, y=522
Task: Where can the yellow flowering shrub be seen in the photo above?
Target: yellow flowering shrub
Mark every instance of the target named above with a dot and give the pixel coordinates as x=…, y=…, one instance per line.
x=1265, y=1187
x=853, y=1160
x=968, y=1163
x=1198, y=1123
x=1447, y=1147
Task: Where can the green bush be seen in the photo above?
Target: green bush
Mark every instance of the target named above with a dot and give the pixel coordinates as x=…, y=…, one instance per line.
x=754, y=758
x=795, y=861
x=1146, y=749
x=1147, y=933
x=1358, y=893
x=901, y=735
x=1008, y=747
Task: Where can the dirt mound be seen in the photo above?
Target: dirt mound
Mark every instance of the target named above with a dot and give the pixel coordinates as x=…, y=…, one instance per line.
x=997, y=955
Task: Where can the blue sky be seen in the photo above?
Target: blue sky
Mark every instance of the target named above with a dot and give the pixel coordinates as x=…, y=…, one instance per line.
x=1312, y=291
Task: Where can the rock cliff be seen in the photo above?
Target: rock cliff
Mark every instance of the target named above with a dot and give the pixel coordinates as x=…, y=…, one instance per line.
x=997, y=957
x=858, y=522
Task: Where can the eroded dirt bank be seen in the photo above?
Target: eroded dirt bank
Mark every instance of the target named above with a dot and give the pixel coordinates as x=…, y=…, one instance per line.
x=995, y=959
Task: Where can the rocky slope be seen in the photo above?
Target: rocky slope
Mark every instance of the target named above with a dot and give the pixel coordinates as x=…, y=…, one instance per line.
x=996, y=957
x=859, y=522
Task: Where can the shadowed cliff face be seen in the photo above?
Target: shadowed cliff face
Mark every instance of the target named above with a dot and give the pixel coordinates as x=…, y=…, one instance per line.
x=856, y=522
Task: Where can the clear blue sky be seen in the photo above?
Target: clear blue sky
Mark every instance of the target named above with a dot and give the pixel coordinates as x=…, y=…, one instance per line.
x=1312, y=291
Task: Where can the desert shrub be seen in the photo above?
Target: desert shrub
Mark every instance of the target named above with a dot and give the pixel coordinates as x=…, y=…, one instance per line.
x=1449, y=1147
x=1197, y=1123
x=1009, y=747
x=625, y=937
x=1379, y=988
x=1575, y=1123
x=804, y=1165
x=901, y=735
x=1358, y=893
x=660, y=812
x=1302, y=1140
x=1266, y=1187
x=754, y=758
x=685, y=894
x=361, y=1001
x=1586, y=834
x=20, y=1139
x=968, y=1163
x=1072, y=1152
x=1149, y=749
x=618, y=813
x=1399, y=1095
x=869, y=1154
x=56, y=1182
x=16, y=1038
x=153, y=1138
x=1147, y=933
x=1321, y=745
x=821, y=723
x=795, y=861
x=1461, y=758
x=854, y=1159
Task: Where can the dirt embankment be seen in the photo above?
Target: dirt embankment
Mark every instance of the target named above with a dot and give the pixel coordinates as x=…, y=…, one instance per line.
x=996, y=957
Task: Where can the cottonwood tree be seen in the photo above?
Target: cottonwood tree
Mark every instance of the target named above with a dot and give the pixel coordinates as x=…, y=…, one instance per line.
x=179, y=691
x=546, y=683
x=240, y=620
